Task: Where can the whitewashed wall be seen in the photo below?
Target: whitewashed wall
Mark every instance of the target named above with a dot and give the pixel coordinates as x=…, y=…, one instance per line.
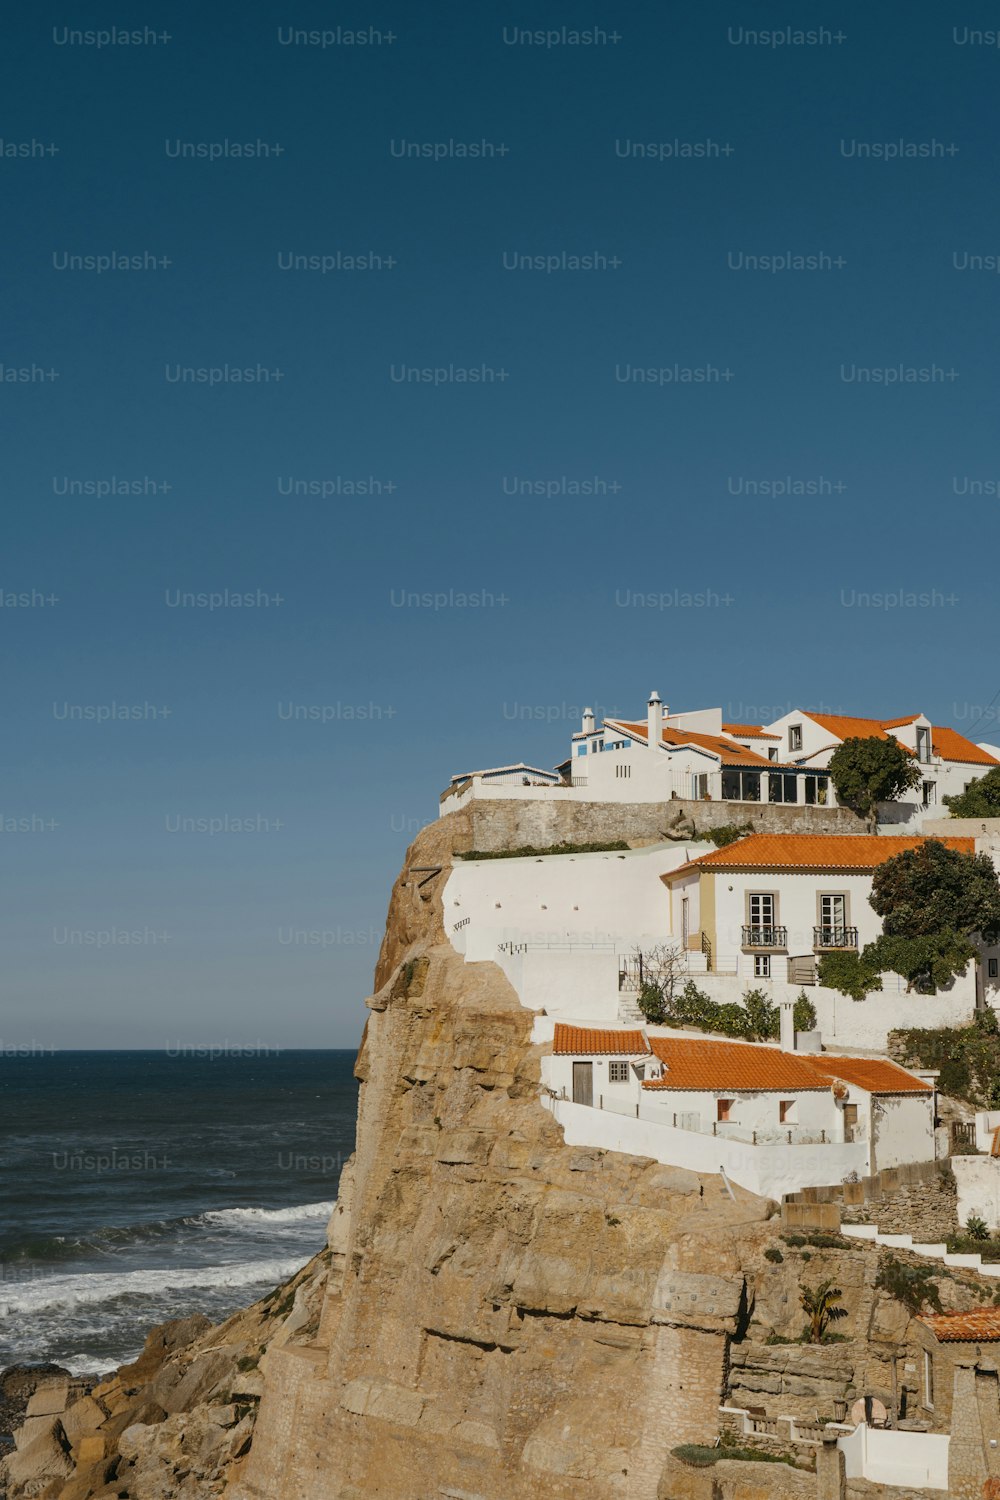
x=978, y=1179
x=771, y=1170
x=615, y=897
x=903, y=1128
x=856, y=1024
x=917, y=1459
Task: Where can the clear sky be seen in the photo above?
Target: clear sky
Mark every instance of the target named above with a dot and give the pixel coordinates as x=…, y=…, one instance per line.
x=872, y=149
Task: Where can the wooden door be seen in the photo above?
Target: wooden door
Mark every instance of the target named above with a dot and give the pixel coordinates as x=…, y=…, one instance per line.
x=583, y=1083
x=850, y=1121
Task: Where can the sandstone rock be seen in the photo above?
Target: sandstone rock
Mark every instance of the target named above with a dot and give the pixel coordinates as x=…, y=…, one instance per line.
x=49, y=1399
x=83, y=1417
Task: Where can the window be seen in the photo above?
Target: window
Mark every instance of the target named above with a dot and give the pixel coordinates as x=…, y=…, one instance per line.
x=783, y=786
x=928, y=1381
x=762, y=966
x=991, y=968
x=701, y=786
x=816, y=790
x=618, y=1072
x=929, y=793
x=741, y=786
x=923, y=744
x=833, y=921
x=795, y=736
x=772, y=752
x=787, y=1111
x=623, y=771
x=761, y=909
x=723, y=1107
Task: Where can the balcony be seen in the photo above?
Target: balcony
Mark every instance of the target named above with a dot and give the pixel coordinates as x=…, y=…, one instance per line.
x=768, y=939
x=830, y=939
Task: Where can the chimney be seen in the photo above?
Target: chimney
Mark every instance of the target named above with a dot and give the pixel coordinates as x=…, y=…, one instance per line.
x=787, y=1023
x=654, y=720
x=588, y=721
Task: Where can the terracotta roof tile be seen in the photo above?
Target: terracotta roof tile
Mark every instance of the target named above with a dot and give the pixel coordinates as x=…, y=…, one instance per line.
x=692, y=1063
x=811, y=851
x=750, y=731
x=592, y=1041
x=981, y=1326
x=731, y=753
x=875, y=1075
x=947, y=743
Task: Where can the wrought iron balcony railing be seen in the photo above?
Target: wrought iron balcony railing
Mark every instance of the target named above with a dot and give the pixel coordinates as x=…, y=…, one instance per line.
x=765, y=937
x=835, y=937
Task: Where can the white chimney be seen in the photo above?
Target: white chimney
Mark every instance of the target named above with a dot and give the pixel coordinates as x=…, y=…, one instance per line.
x=588, y=721
x=654, y=721
x=787, y=1023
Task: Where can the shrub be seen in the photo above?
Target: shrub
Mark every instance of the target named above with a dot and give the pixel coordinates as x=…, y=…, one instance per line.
x=773, y=1254
x=755, y=1020
x=849, y=974
x=976, y=1228
x=967, y=1059
x=804, y=1014
x=913, y=1286
x=651, y=1002
x=540, y=852
x=727, y=833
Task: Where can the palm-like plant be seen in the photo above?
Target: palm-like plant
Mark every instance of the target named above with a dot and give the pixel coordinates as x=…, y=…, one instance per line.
x=822, y=1306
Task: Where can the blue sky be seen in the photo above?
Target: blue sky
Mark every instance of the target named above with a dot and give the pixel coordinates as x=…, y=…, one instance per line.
x=589, y=596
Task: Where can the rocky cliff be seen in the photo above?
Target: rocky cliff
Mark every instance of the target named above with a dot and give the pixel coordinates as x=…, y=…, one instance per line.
x=497, y=1316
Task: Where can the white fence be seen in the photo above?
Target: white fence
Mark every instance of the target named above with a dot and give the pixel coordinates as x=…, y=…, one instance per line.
x=769, y=1170
x=919, y=1459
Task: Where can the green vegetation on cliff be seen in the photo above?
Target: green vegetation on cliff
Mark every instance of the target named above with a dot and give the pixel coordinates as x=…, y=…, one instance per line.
x=967, y=1058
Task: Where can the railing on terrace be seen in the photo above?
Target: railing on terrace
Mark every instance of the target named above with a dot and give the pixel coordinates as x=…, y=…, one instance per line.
x=765, y=937
x=835, y=937
x=654, y=1114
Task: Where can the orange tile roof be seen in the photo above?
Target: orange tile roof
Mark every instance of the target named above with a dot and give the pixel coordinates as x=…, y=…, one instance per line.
x=731, y=752
x=873, y=1074
x=951, y=745
x=584, y=1039
x=696, y=1064
x=981, y=1326
x=750, y=731
x=947, y=743
x=811, y=851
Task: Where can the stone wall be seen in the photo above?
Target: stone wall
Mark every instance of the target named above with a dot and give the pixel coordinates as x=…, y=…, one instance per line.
x=919, y=1198
x=511, y=823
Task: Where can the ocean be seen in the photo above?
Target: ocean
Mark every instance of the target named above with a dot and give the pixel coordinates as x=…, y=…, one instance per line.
x=139, y=1186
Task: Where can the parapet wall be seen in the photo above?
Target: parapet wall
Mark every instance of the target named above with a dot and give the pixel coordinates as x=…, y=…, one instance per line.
x=509, y=823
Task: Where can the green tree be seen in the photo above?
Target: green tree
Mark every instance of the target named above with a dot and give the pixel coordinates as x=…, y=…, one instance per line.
x=804, y=1013
x=866, y=771
x=822, y=1306
x=981, y=798
x=851, y=974
x=927, y=963
x=934, y=889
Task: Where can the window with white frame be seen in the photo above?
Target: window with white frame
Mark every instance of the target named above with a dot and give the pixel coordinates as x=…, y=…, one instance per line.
x=762, y=909
x=923, y=743
x=991, y=968
x=795, y=736
x=618, y=1072
x=929, y=791
x=762, y=966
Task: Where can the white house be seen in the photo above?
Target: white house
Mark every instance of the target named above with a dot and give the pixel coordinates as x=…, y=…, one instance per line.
x=695, y=754
x=947, y=760
x=769, y=1118
x=769, y=905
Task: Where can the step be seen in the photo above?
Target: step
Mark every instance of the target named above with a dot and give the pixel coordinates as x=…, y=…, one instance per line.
x=896, y=1241
x=990, y=1268
x=971, y=1262
x=937, y=1251
x=859, y=1231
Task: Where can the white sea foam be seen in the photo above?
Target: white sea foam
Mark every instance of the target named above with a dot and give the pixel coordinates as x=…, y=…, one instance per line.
x=45, y=1292
x=302, y=1211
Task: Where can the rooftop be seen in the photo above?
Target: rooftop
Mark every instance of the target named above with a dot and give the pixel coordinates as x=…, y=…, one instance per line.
x=585, y=1040
x=981, y=1326
x=706, y=1063
x=947, y=743
x=730, y=752
x=811, y=851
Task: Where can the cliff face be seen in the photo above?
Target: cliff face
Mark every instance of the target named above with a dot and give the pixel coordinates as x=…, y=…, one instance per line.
x=505, y=1316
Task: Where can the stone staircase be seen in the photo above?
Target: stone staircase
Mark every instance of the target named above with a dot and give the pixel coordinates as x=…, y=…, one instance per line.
x=628, y=1011
x=920, y=1247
